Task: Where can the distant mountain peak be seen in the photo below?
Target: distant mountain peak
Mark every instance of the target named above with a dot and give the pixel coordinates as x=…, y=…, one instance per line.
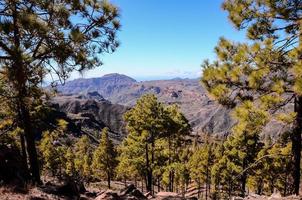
x=119, y=76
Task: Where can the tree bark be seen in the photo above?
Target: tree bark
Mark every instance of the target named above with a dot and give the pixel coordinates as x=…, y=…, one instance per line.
x=30, y=146
x=24, y=155
x=206, y=191
x=149, y=172
x=244, y=177
x=198, y=189
x=20, y=75
x=108, y=179
x=296, y=144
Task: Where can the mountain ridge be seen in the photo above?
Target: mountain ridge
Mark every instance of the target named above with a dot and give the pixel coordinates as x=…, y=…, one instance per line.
x=192, y=98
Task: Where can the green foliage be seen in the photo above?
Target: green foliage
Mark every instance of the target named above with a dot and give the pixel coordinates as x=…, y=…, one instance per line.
x=104, y=158
x=239, y=151
x=272, y=169
x=69, y=163
x=83, y=158
x=200, y=164
x=42, y=38
x=155, y=143
x=53, y=150
x=261, y=77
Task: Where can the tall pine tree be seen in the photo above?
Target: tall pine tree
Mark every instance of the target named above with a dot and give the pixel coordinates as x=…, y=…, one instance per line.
x=267, y=72
x=40, y=38
x=104, y=158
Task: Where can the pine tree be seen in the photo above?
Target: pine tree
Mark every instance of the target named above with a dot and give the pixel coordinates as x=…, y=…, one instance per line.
x=267, y=72
x=145, y=122
x=155, y=142
x=104, y=158
x=52, y=149
x=40, y=38
x=69, y=162
x=200, y=165
x=49, y=153
x=132, y=163
x=272, y=167
x=83, y=158
x=177, y=128
x=240, y=149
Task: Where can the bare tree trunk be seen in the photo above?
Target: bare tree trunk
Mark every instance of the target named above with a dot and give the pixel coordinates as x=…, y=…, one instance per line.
x=24, y=155
x=149, y=172
x=206, y=191
x=31, y=146
x=296, y=144
x=198, y=189
x=109, y=179
x=243, y=178
x=142, y=185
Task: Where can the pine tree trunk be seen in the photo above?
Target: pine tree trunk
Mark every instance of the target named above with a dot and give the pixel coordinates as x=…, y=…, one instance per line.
x=30, y=146
x=285, y=186
x=108, y=179
x=169, y=160
x=142, y=185
x=296, y=144
x=149, y=175
x=152, y=162
x=170, y=182
x=24, y=156
x=198, y=189
x=20, y=81
x=243, y=178
x=207, y=180
x=206, y=191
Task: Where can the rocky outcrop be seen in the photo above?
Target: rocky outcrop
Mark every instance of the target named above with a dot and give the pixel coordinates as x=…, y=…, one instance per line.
x=91, y=113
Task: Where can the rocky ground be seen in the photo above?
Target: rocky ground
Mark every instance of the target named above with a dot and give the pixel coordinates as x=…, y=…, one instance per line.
x=68, y=192
x=72, y=191
x=272, y=197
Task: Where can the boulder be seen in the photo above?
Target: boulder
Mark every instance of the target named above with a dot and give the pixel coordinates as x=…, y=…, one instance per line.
x=149, y=195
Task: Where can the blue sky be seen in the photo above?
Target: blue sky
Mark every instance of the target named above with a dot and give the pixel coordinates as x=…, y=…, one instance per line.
x=166, y=38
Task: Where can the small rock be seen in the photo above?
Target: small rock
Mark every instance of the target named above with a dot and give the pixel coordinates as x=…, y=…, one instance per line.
x=108, y=195
x=149, y=195
x=168, y=196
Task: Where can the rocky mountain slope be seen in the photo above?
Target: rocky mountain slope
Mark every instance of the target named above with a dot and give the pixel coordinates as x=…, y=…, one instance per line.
x=203, y=114
x=91, y=112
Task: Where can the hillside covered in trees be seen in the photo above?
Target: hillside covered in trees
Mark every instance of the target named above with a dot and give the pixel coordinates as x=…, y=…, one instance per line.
x=235, y=133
